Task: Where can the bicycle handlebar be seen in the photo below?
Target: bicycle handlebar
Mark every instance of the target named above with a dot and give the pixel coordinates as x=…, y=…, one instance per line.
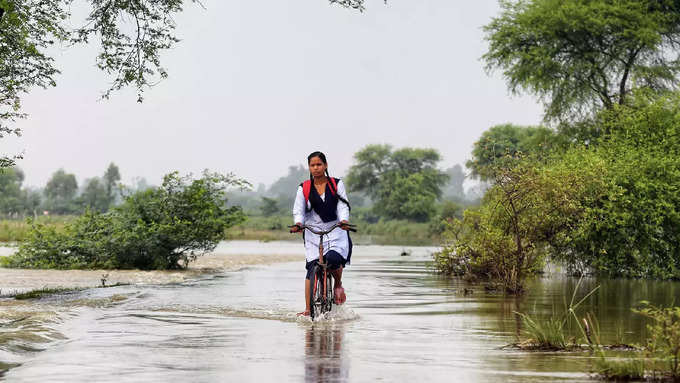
x=321, y=232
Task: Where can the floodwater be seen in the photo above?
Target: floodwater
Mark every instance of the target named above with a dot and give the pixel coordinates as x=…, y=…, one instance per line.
x=401, y=322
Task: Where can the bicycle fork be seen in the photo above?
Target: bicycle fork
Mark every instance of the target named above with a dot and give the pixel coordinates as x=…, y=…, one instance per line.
x=322, y=263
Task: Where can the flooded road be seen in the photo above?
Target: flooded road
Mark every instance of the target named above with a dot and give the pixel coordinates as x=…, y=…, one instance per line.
x=400, y=323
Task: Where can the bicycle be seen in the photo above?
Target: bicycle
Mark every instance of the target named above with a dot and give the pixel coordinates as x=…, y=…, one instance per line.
x=322, y=285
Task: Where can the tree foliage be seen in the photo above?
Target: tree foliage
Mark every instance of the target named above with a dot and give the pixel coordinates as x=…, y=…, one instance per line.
x=610, y=208
x=503, y=144
x=60, y=193
x=404, y=183
x=633, y=230
x=527, y=209
x=580, y=56
x=160, y=228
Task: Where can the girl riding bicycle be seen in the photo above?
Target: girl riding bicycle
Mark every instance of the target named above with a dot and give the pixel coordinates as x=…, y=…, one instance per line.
x=322, y=202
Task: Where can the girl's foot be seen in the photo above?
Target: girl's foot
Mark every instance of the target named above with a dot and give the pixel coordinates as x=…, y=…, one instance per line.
x=303, y=313
x=340, y=296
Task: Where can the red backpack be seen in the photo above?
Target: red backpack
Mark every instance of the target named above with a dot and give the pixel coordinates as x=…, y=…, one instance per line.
x=307, y=188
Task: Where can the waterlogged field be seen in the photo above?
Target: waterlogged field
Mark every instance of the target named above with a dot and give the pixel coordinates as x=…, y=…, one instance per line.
x=401, y=323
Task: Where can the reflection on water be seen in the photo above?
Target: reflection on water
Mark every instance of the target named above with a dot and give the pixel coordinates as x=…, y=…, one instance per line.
x=324, y=361
x=400, y=323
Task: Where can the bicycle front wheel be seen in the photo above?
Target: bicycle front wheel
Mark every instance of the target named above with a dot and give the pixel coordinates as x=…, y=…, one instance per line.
x=316, y=292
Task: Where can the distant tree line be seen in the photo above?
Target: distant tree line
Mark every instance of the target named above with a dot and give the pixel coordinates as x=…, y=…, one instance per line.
x=383, y=184
x=62, y=194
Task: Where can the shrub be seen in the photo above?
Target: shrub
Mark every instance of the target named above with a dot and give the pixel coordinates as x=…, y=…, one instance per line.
x=161, y=228
x=530, y=207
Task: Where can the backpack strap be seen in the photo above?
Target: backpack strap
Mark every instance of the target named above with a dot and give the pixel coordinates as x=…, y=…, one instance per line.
x=334, y=185
x=306, y=189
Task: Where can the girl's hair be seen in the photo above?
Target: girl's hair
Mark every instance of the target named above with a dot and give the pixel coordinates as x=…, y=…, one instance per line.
x=322, y=157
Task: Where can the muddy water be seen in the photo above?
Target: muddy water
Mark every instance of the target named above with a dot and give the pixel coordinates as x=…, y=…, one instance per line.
x=400, y=323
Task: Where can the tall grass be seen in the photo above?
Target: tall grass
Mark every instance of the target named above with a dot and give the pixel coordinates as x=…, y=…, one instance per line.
x=12, y=230
x=552, y=333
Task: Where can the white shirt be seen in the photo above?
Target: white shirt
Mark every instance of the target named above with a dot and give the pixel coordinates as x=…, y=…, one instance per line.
x=337, y=239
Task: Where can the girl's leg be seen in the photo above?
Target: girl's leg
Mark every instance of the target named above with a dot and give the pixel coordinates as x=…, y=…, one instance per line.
x=308, y=291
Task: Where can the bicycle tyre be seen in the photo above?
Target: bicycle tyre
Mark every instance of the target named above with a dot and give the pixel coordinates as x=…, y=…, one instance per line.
x=330, y=294
x=315, y=292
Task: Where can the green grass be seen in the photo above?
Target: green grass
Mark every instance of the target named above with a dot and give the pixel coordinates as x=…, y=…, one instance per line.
x=552, y=333
x=12, y=230
x=618, y=368
x=45, y=291
x=401, y=233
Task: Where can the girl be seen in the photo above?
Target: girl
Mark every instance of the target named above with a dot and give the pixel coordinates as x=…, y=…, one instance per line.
x=321, y=202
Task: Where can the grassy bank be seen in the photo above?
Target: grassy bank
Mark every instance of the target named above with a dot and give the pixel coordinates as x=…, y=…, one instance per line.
x=401, y=233
x=13, y=230
x=274, y=228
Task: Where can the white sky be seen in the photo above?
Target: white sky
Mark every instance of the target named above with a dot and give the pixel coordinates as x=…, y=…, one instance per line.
x=255, y=86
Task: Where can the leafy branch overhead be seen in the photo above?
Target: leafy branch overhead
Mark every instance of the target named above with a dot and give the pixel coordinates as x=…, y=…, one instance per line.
x=580, y=56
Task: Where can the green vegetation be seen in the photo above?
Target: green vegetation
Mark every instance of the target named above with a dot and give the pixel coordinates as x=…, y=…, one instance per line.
x=506, y=144
x=580, y=56
x=45, y=291
x=615, y=368
x=60, y=196
x=599, y=193
x=392, y=232
x=557, y=332
x=404, y=184
x=659, y=359
x=18, y=231
x=160, y=228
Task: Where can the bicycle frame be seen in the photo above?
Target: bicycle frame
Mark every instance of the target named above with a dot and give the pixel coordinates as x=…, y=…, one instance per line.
x=325, y=301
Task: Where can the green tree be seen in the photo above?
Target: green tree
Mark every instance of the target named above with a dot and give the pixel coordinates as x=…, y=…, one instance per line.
x=159, y=228
x=11, y=199
x=95, y=196
x=29, y=29
x=504, y=144
x=454, y=188
x=580, y=56
x=270, y=206
x=285, y=186
x=404, y=184
x=111, y=181
x=60, y=192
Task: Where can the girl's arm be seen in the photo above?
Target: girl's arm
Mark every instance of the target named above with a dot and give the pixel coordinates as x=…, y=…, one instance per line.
x=299, y=207
x=342, y=209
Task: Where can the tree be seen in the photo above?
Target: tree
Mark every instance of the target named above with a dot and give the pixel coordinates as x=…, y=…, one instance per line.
x=285, y=186
x=454, y=188
x=131, y=36
x=270, y=206
x=502, y=144
x=61, y=191
x=159, y=228
x=111, y=182
x=579, y=56
x=10, y=190
x=95, y=196
x=405, y=184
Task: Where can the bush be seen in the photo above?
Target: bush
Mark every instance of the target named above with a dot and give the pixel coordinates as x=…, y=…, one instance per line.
x=162, y=228
x=664, y=343
x=530, y=207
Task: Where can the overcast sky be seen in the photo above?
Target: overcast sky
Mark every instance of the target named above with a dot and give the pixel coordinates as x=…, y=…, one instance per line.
x=255, y=86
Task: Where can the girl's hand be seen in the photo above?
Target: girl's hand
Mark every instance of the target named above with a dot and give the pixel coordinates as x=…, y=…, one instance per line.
x=296, y=228
x=344, y=224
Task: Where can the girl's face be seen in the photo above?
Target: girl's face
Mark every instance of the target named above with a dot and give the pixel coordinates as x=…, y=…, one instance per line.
x=317, y=167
